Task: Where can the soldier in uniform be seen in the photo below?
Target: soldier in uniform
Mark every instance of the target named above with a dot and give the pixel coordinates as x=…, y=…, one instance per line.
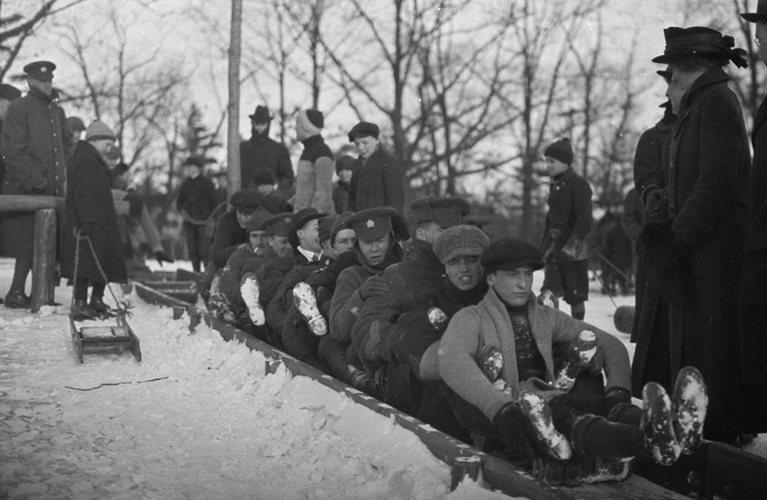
x=36, y=144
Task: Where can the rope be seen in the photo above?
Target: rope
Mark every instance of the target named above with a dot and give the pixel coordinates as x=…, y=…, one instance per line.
x=630, y=281
x=78, y=237
x=202, y=222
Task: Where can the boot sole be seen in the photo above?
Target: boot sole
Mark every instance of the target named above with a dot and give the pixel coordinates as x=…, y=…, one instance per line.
x=539, y=414
x=250, y=295
x=658, y=424
x=690, y=403
x=306, y=303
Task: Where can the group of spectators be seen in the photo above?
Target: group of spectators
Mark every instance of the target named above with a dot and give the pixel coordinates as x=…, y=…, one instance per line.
x=428, y=314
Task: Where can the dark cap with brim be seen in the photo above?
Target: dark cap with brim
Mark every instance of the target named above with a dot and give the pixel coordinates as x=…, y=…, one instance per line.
x=299, y=220
x=372, y=223
x=509, y=254
x=446, y=212
x=247, y=200
x=256, y=222
x=40, y=70
x=278, y=225
x=759, y=15
x=363, y=129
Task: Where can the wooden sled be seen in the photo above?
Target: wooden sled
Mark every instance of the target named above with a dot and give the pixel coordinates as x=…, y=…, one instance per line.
x=104, y=339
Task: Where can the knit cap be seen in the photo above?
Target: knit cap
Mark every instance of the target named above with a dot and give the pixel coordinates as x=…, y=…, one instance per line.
x=339, y=223
x=460, y=240
x=325, y=227
x=309, y=122
x=560, y=150
x=98, y=130
x=344, y=162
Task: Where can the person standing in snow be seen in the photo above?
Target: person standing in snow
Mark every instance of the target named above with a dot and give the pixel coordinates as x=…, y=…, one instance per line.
x=568, y=224
x=261, y=151
x=706, y=216
x=314, y=175
x=196, y=201
x=36, y=144
x=91, y=225
x=377, y=180
x=753, y=292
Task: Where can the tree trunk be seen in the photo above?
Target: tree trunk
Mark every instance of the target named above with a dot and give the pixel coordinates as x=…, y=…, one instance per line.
x=233, y=136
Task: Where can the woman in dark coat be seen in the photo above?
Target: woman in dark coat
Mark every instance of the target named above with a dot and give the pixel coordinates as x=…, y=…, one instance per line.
x=707, y=179
x=91, y=220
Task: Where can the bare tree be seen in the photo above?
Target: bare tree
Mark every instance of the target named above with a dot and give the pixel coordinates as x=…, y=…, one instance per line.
x=17, y=27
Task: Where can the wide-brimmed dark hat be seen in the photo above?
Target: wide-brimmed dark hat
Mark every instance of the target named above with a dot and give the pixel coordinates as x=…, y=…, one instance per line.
x=683, y=43
x=759, y=15
x=299, y=220
x=261, y=115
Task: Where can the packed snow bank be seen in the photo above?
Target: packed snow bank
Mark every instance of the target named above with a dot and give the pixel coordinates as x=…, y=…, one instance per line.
x=196, y=418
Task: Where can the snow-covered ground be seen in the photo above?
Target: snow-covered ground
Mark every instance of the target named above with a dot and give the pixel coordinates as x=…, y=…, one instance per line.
x=197, y=418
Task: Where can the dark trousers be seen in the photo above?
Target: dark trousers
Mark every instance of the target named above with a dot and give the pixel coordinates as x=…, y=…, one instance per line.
x=197, y=244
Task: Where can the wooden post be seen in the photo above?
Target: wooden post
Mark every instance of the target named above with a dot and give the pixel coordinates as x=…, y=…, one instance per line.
x=43, y=258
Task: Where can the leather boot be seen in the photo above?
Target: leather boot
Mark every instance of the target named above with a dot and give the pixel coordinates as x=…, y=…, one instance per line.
x=81, y=311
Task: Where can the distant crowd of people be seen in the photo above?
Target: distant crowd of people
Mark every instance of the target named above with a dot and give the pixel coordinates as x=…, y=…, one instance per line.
x=428, y=314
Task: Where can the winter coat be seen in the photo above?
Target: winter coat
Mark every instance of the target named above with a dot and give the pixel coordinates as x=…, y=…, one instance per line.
x=413, y=335
x=707, y=182
x=649, y=168
x=299, y=340
x=270, y=275
x=197, y=197
x=569, y=215
x=488, y=323
x=347, y=302
x=753, y=292
x=89, y=201
x=377, y=182
x=341, y=197
x=231, y=274
x=378, y=316
x=35, y=146
x=261, y=151
x=229, y=235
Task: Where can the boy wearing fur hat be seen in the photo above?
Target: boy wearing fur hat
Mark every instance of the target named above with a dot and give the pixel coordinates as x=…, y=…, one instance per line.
x=398, y=286
x=196, y=201
x=413, y=383
x=518, y=403
x=261, y=151
x=568, y=224
x=378, y=180
x=91, y=233
x=314, y=175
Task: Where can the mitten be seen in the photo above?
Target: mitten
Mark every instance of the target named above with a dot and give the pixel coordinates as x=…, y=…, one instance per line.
x=374, y=286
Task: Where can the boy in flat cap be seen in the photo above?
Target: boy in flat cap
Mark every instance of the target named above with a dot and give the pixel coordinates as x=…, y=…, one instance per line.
x=196, y=201
x=35, y=144
x=753, y=292
x=256, y=247
x=584, y=421
x=314, y=175
x=378, y=179
x=405, y=280
x=378, y=232
x=230, y=233
x=261, y=151
x=92, y=240
x=568, y=224
x=701, y=245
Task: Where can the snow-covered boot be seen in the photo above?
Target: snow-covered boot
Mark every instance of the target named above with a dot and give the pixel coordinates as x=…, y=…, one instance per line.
x=250, y=295
x=582, y=352
x=689, y=404
x=551, y=440
x=306, y=303
x=657, y=425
